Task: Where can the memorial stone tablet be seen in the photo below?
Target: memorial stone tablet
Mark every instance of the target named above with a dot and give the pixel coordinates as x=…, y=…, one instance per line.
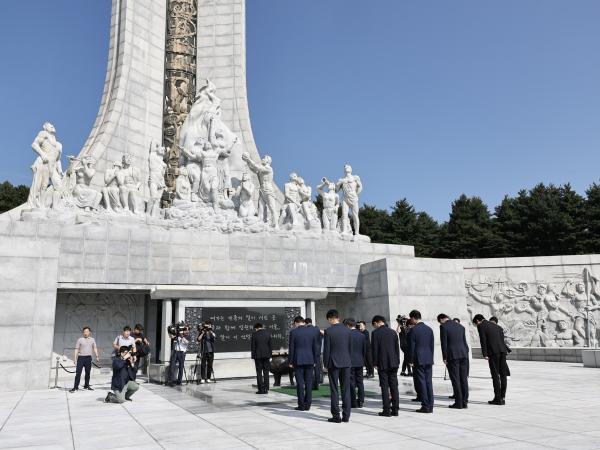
x=233, y=326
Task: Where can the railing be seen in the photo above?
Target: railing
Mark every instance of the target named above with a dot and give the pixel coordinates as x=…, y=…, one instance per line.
x=59, y=366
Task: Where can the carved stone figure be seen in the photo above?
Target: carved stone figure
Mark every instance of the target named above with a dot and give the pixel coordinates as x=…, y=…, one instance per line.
x=46, y=168
x=156, y=180
x=267, y=202
x=308, y=208
x=351, y=187
x=291, y=202
x=244, y=193
x=83, y=195
x=567, y=337
x=129, y=182
x=331, y=204
x=110, y=192
x=541, y=338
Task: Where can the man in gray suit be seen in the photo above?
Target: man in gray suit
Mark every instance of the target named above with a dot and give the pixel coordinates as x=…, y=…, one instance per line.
x=336, y=357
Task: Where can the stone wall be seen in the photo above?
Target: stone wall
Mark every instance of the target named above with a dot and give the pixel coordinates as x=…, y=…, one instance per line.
x=106, y=313
x=540, y=302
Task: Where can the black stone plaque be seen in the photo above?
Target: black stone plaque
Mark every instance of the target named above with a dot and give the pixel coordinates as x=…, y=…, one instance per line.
x=234, y=325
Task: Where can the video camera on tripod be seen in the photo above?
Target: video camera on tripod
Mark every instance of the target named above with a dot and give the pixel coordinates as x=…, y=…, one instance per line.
x=177, y=329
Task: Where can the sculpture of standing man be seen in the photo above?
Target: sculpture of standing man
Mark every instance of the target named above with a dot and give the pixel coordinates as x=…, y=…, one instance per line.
x=46, y=167
x=267, y=202
x=156, y=180
x=331, y=204
x=351, y=186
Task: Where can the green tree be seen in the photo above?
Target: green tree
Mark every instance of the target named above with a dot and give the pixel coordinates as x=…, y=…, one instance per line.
x=590, y=239
x=376, y=224
x=427, y=235
x=469, y=232
x=12, y=196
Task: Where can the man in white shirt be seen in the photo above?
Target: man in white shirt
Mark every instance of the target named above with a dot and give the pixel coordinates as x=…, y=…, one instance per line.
x=125, y=340
x=179, y=344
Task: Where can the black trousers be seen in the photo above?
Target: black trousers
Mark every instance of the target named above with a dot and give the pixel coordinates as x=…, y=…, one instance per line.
x=498, y=370
x=369, y=362
x=83, y=361
x=317, y=375
x=304, y=383
x=405, y=365
x=177, y=357
x=337, y=376
x=424, y=385
x=357, y=387
x=206, y=365
x=458, y=369
x=262, y=373
x=388, y=382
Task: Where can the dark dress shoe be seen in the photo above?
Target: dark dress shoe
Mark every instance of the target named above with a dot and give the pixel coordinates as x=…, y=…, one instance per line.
x=299, y=408
x=424, y=411
x=335, y=420
x=402, y=374
x=74, y=389
x=359, y=404
x=503, y=402
x=455, y=406
x=107, y=398
x=452, y=397
x=307, y=408
x=346, y=419
x=415, y=399
x=354, y=405
x=385, y=414
x=495, y=402
x=89, y=388
x=395, y=413
x=465, y=406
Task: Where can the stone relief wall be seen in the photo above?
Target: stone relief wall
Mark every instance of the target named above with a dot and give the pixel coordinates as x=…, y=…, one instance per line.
x=558, y=307
x=105, y=313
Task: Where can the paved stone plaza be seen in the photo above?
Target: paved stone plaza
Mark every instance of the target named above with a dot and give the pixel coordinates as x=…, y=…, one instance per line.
x=549, y=405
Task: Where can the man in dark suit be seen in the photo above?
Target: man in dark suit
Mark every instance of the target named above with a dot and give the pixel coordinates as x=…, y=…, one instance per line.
x=357, y=358
x=386, y=358
x=303, y=357
x=455, y=352
x=336, y=357
x=317, y=371
x=362, y=326
x=261, y=349
x=421, y=350
x=494, y=350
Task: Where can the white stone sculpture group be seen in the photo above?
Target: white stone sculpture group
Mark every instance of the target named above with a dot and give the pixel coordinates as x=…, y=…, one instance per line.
x=206, y=196
x=563, y=314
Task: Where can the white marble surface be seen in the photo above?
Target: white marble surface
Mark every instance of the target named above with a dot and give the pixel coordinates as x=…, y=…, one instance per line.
x=549, y=405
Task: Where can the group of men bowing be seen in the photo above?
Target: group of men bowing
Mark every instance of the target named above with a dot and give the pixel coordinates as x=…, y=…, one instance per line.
x=345, y=354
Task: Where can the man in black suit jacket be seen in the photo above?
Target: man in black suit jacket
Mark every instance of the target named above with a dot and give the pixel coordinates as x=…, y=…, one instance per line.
x=303, y=357
x=386, y=357
x=261, y=350
x=369, y=361
x=494, y=350
x=358, y=358
x=317, y=371
x=337, y=359
x=421, y=350
x=455, y=352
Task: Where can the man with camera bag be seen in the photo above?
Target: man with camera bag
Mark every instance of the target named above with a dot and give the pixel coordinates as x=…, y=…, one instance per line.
x=142, y=346
x=123, y=385
x=179, y=343
x=206, y=339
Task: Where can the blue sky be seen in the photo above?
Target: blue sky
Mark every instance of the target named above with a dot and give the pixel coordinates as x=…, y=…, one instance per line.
x=426, y=99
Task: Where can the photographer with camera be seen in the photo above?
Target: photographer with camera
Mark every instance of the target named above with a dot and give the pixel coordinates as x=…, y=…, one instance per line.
x=206, y=340
x=179, y=343
x=402, y=329
x=125, y=340
x=123, y=385
x=142, y=346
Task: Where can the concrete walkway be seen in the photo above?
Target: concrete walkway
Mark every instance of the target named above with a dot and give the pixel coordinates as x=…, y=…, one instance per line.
x=549, y=405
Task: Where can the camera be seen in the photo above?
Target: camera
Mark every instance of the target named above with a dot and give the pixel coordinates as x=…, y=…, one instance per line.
x=402, y=320
x=177, y=329
x=204, y=327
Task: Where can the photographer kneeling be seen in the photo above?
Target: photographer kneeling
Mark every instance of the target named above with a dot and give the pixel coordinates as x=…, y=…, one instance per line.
x=123, y=384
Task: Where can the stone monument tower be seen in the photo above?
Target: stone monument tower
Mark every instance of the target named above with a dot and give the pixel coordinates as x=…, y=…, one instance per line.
x=161, y=52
